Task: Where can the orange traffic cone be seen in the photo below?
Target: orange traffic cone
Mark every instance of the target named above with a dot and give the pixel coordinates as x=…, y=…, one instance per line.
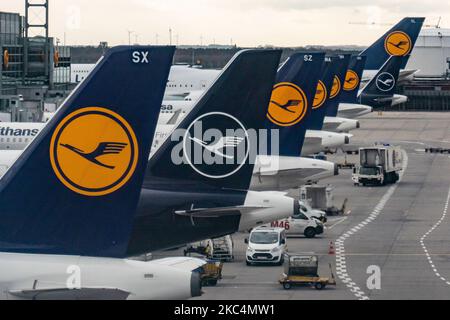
x=332, y=249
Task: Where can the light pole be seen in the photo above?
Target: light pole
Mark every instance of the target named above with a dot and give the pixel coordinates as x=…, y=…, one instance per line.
x=129, y=36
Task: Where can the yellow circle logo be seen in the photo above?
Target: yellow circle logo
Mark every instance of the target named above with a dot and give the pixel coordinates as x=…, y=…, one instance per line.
x=94, y=151
x=336, y=87
x=398, y=43
x=321, y=95
x=351, y=81
x=288, y=105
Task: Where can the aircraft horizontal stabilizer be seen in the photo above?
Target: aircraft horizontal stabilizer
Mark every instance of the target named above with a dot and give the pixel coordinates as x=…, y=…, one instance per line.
x=218, y=212
x=181, y=263
x=388, y=99
x=72, y=294
x=313, y=140
x=331, y=126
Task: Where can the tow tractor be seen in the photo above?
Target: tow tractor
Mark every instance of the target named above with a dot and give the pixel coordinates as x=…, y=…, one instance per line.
x=302, y=270
x=211, y=273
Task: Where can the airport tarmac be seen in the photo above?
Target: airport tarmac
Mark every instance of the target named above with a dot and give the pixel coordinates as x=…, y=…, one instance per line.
x=401, y=229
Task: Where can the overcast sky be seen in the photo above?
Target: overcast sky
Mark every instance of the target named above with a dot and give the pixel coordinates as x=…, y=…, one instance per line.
x=243, y=22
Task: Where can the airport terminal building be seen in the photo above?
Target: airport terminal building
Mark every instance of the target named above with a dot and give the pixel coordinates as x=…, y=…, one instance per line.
x=33, y=70
x=36, y=73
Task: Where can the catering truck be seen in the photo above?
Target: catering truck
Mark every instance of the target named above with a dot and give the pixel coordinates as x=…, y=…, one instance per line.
x=379, y=165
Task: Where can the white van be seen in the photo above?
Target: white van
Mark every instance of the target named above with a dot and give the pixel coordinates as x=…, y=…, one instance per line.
x=266, y=246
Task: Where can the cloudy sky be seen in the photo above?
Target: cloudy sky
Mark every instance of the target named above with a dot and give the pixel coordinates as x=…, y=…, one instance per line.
x=243, y=22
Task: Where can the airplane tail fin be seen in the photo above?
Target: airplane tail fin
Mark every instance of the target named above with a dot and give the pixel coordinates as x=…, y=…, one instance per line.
x=75, y=189
x=398, y=41
x=296, y=84
x=353, y=79
x=342, y=64
x=215, y=146
x=385, y=82
x=319, y=109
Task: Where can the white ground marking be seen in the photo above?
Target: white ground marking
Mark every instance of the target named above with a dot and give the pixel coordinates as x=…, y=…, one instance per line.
x=341, y=264
x=337, y=223
x=426, y=235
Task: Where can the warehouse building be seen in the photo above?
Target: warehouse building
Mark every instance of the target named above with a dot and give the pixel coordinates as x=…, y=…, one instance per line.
x=431, y=55
x=430, y=90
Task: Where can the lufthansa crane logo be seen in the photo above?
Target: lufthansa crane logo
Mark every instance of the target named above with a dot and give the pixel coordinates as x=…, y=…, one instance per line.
x=94, y=151
x=398, y=44
x=351, y=81
x=321, y=95
x=336, y=89
x=385, y=82
x=216, y=145
x=288, y=105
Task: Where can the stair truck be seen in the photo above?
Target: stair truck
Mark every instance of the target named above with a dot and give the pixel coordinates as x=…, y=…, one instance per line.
x=379, y=165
